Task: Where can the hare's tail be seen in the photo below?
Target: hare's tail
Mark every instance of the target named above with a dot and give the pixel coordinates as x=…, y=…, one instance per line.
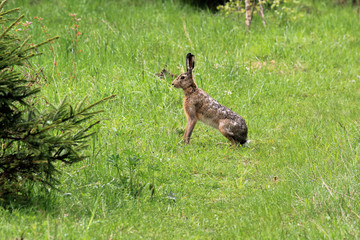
x=247, y=142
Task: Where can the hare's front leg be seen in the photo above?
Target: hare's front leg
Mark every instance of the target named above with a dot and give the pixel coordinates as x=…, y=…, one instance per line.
x=189, y=129
x=191, y=122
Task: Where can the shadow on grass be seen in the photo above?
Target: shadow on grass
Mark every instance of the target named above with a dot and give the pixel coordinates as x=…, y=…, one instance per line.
x=39, y=199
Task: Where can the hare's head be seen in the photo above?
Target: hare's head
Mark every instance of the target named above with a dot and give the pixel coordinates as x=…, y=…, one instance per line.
x=186, y=80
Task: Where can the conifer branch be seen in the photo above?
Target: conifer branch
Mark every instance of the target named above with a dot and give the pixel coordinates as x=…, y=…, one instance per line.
x=2, y=4
x=43, y=43
x=11, y=26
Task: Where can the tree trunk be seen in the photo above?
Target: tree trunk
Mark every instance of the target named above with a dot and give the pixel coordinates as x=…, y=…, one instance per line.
x=248, y=15
x=262, y=13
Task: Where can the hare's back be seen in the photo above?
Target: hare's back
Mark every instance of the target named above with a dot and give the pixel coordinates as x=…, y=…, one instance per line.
x=211, y=112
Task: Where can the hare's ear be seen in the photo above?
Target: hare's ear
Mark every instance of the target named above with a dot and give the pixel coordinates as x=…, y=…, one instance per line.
x=190, y=62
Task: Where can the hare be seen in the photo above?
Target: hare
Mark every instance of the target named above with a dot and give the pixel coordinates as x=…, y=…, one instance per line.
x=198, y=105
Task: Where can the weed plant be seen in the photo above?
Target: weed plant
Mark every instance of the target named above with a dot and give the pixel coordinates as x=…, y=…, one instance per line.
x=296, y=83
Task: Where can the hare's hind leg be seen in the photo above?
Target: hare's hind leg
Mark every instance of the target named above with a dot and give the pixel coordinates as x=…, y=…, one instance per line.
x=230, y=130
x=225, y=129
x=240, y=139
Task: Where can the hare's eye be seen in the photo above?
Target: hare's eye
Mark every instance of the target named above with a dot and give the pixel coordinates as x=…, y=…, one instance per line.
x=182, y=77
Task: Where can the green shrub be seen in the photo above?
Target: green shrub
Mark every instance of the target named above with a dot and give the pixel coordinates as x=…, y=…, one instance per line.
x=285, y=10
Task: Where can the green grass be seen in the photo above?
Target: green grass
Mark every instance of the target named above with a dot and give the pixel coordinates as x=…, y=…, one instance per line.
x=297, y=85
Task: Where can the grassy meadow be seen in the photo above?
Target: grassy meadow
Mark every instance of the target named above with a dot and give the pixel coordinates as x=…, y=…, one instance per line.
x=296, y=83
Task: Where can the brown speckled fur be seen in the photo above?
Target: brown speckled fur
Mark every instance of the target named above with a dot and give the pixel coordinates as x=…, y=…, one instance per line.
x=198, y=105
